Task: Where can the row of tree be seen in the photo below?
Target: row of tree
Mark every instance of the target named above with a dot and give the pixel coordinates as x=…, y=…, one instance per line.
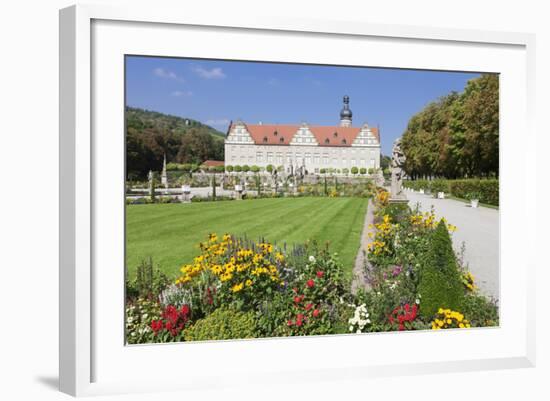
x=151, y=135
x=457, y=135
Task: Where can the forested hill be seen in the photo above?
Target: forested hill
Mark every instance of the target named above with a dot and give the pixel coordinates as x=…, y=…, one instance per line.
x=150, y=134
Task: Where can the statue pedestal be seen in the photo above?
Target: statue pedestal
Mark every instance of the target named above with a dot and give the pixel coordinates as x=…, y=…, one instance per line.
x=400, y=201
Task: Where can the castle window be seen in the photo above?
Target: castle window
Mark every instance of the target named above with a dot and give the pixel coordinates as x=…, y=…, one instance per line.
x=265, y=139
x=344, y=141
x=335, y=134
x=275, y=133
x=327, y=141
x=282, y=139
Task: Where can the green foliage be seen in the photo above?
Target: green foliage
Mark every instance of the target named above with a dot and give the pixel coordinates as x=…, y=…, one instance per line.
x=147, y=282
x=229, y=168
x=440, y=284
x=269, y=168
x=480, y=311
x=213, y=187
x=323, y=171
x=457, y=135
x=354, y=170
x=254, y=169
x=223, y=324
x=246, y=168
x=439, y=186
x=486, y=190
x=150, y=135
x=362, y=170
x=237, y=168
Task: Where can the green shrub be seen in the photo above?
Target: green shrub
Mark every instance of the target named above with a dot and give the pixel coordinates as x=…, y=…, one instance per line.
x=229, y=168
x=439, y=186
x=237, y=169
x=354, y=170
x=149, y=281
x=480, y=311
x=440, y=284
x=362, y=170
x=223, y=324
x=487, y=189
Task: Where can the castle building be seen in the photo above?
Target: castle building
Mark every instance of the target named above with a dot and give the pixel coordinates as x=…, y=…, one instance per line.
x=313, y=147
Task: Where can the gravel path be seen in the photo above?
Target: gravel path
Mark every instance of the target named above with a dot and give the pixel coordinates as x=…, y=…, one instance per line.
x=359, y=279
x=478, y=229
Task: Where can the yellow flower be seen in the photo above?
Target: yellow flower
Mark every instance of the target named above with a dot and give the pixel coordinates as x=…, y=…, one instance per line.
x=248, y=283
x=237, y=287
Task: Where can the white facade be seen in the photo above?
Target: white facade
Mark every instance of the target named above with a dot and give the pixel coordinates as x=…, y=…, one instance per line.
x=304, y=149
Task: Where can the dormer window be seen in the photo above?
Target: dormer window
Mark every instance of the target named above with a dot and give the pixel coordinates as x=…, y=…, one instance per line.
x=282, y=139
x=265, y=139
x=335, y=134
x=344, y=142
x=275, y=133
x=327, y=141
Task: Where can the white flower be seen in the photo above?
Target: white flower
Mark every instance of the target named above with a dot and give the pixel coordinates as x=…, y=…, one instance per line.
x=350, y=328
x=417, y=301
x=312, y=259
x=358, y=331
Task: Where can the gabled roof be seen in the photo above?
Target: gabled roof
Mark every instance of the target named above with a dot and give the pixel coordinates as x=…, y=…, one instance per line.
x=271, y=134
x=276, y=134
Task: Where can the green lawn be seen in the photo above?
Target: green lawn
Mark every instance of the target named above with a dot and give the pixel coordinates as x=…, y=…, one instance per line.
x=170, y=232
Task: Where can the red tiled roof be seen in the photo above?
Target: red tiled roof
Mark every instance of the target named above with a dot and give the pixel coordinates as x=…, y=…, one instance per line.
x=275, y=134
x=271, y=134
x=213, y=163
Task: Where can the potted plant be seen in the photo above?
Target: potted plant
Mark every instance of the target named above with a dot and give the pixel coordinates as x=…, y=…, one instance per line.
x=473, y=197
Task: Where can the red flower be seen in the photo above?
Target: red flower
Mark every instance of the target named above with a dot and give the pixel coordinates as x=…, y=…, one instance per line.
x=156, y=326
x=298, y=323
x=316, y=313
x=185, y=309
x=295, y=290
x=297, y=299
x=310, y=283
x=289, y=323
x=320, y=274
x=309, y=306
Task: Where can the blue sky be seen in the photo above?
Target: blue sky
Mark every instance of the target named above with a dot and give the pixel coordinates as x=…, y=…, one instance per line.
x=216, y=92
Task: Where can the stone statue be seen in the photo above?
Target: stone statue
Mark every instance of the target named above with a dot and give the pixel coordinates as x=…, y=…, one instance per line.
x=164, y=175
x=397, y=161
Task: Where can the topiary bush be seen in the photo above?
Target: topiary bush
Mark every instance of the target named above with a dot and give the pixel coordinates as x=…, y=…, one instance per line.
x=223, y=324
x=440, y=284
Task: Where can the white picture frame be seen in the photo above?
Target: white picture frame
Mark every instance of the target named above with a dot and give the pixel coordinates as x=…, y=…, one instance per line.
x=88, y=361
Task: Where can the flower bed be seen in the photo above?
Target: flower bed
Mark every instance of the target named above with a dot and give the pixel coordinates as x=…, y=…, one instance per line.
x=238, y=288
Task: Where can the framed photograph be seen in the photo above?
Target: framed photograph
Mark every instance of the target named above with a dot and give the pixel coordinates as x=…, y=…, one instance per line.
x=256, y=199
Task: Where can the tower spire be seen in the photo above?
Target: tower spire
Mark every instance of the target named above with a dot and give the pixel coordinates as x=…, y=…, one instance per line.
x=345, y=114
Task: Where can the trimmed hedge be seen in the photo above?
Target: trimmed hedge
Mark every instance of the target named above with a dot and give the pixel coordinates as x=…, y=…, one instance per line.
x=486, y=190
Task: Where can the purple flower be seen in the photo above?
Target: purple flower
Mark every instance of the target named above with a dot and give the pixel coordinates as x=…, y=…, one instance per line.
x=396, y=270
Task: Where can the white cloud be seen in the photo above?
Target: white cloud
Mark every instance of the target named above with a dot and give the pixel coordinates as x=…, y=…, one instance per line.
x=182, y=93
x=213, y=73
x=221, y=122
x=162, y=73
